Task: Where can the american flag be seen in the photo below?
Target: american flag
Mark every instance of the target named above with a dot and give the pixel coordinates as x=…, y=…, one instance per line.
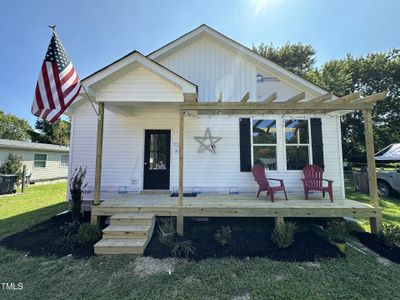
x=58, y=84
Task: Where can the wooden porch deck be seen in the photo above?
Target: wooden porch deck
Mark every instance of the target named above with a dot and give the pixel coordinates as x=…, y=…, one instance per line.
x=242, y=205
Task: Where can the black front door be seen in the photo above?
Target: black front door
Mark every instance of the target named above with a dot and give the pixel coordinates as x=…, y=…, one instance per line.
x=157, y=145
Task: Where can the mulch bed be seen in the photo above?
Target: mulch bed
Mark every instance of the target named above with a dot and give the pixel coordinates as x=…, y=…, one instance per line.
x=247, y=241
x=46, y=239
x=377, y=245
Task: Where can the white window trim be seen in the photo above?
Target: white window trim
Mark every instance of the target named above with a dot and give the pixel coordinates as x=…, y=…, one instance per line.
x=310, y=161
x=275, y=145
x=61, y=166
x=45, y=161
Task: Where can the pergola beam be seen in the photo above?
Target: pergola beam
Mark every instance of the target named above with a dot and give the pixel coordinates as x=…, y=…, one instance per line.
x=371, y=98
x=245, y=98
x=271, y=98
x=347, y=98
x=221, y=96
x=325, y=104
x=239, y=107
x=295, y=98
x=325, y=97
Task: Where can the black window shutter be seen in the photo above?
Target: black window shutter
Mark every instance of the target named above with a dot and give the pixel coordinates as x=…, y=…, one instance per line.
x=245, y=145
x=316, y=142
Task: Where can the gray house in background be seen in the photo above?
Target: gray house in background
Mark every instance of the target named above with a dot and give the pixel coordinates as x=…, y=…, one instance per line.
x=44, y=162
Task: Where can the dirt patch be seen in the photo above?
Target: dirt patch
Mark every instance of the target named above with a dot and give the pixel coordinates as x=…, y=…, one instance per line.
x=146, y=266
x=46, y=239
x=375, y=244
x=248, y=240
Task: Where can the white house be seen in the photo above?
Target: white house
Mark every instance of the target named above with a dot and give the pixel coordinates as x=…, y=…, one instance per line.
x=195, y=116
x=142, y=95
x=44, y=162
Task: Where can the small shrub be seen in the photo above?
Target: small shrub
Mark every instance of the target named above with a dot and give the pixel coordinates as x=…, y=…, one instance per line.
x=69, y=242
x=390, y=235
x=70, y=239
x=70, y=228
x=166, y=231
x=89, y=234
x=282, y=235
x=223, y=236
x=76, y=187
x=182, y=248
x=337, y=230
x=13, y=165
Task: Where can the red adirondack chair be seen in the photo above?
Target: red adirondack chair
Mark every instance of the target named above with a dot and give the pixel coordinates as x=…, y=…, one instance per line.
x=313, y=181
x=259, y=176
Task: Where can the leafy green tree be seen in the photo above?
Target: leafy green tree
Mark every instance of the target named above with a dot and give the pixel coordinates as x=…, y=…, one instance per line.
x=57, y=133
x=13, y=165
x=297, y=58
x=14, y=128
x=372, y=73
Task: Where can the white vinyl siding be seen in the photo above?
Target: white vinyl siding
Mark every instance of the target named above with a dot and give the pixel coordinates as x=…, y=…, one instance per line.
x=140, y=85
x=203, y=172
x=215, y=68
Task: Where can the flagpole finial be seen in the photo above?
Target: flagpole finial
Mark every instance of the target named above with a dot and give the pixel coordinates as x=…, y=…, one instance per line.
x=52, y=27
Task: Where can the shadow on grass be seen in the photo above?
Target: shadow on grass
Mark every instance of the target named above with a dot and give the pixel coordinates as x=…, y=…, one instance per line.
x=25, y=220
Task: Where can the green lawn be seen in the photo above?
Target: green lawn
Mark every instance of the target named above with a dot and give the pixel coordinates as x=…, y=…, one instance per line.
x=117, y=277
x=38, y=203
x=390, y=206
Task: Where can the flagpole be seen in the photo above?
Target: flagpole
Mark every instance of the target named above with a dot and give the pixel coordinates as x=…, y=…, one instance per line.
x=53, y=28
x=87, y=94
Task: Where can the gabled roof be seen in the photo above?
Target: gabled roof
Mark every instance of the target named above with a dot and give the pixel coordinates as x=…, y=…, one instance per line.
x=11, y=144
x=128, y=61
x=273, y=67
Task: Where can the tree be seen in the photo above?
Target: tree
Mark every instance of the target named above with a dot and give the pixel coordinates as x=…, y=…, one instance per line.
x=14, y=128
x=57, y=133
x=297, y=58
x=372, y=73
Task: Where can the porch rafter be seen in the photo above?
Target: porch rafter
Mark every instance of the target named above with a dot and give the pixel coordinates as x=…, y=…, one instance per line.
x=323, y=103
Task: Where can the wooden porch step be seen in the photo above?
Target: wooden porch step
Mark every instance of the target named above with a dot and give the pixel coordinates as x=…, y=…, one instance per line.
x=120, y=246
x=132, y=219
x=125, y=231
x=128, y=233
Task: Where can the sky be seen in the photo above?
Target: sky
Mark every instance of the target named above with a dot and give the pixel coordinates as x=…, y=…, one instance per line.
x=96, y=33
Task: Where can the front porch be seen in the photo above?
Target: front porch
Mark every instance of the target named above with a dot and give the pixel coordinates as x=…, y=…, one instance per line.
x=240, y=205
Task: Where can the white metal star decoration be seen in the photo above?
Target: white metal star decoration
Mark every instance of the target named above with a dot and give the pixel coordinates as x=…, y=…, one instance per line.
x=207, y=142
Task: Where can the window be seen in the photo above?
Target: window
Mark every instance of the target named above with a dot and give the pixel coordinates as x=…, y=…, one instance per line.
x=297, y=144
x=64, y=160
x=40, y=160
x=264, y=143
x=158, y=151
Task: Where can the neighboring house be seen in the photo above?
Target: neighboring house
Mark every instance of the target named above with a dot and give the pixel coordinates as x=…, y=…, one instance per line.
x=44, y=162
x=142, y=95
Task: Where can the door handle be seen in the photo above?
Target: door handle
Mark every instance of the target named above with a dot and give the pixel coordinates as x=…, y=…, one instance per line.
x=145, y=163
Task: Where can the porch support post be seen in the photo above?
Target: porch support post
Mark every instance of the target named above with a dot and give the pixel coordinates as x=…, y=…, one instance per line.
x=279, y=220
x=99, y=154
x=179, y=217
x=375, y=222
